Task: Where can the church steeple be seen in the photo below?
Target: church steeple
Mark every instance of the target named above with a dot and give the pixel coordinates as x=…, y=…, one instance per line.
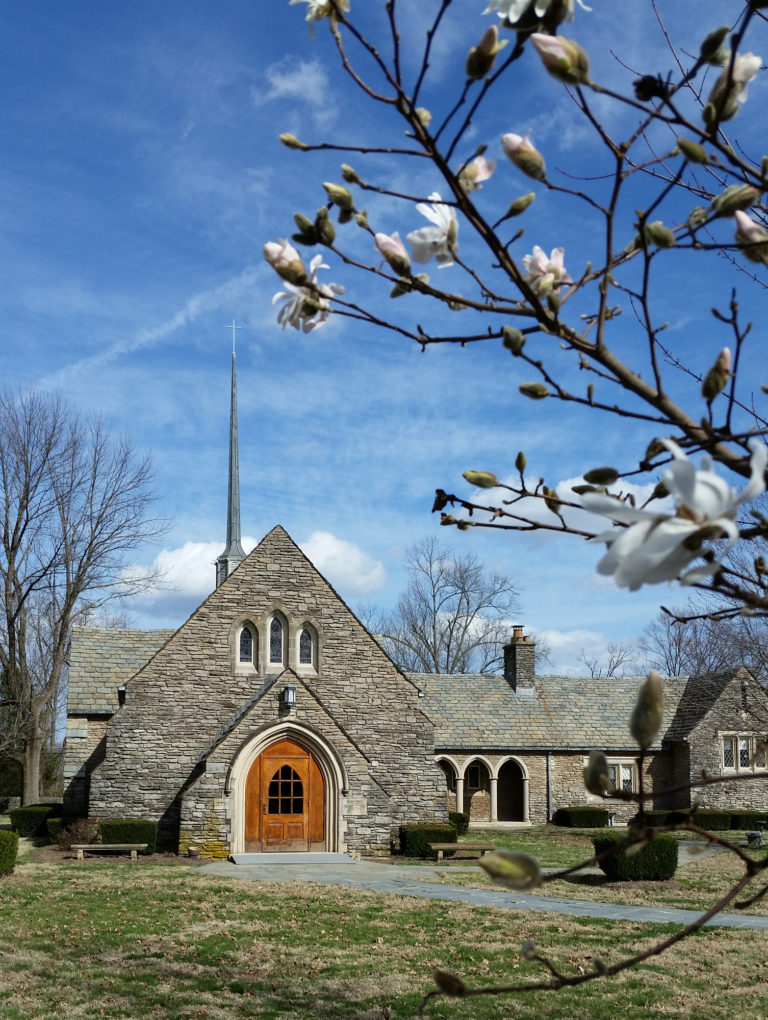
x=233, y=553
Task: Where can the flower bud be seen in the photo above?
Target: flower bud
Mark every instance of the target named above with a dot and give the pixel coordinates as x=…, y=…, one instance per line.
x=734, y=198
x=751, y=237
x=520, y=205
x=424, y=115
x=596, y=777
x=513, y=339
x=512, y=869
x=601, y=476
x=712, y=51
x=286, y=261
x=692, y=151
x=482, y=479
x=534, y=390
x=307, y=233
x=292, y=142
x=349, y=174
x=551, y=501
x=325, y=230
x=563, y=58
x=525, y=157
x=340, y=196
x=477, y=170
x=481, y=58
x=521, y=463
x=717, y=377
x=646, y=716
x=394, y=251
x=659, y=235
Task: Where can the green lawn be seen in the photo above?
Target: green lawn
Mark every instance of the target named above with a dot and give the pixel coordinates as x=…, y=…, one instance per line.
x=146, y=940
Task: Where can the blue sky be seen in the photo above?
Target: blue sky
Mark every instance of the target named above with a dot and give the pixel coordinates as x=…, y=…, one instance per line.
x=142, y=175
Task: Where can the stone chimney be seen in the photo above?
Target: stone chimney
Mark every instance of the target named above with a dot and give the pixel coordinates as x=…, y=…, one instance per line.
x=520, y=660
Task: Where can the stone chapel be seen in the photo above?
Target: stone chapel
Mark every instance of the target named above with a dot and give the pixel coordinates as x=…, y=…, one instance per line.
x=273, y=721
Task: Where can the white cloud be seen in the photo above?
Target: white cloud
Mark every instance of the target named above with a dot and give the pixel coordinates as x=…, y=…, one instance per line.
x=566, y=648
x=348, y=568
x=293, y=78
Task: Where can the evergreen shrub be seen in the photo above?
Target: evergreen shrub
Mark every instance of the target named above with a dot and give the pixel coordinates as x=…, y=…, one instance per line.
x=415, y=839
x=129, y=830
x=460, y=820
x=582, y=817
x=655, y=862
x=748, y=819
x=663, y=816
x=9, y=850
x=30, y=821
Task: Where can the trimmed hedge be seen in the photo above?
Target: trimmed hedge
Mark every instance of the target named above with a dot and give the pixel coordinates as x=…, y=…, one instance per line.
x=748, y=819
x=460, y=821
x=707, y=818
x=583, y=817
x=415, y=839
x=129, y=830
x=30, y=821
x=655, y=862
x=9, y=850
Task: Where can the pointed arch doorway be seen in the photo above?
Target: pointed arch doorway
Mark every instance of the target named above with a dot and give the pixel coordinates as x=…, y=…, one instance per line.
x=284, y=801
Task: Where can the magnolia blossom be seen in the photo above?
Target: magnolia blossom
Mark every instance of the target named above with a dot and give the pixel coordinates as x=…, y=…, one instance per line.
x=513, y=10
x=563, y=58
x=660, y=547
x=318, y=9
x=545, y=275
x=285, y=260
x=751, y=237
x=731, y=86
x=394, y=251
x=439, y=240
x=477, y=170
x=524, y=155
x=306, y=308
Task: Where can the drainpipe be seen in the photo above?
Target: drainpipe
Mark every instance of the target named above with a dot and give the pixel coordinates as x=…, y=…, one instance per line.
x=549, y=786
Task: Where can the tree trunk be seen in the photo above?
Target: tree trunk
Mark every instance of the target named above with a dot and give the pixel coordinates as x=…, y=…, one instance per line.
x=30, y=793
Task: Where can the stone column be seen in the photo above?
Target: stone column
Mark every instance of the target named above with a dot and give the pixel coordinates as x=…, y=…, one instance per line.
x=526, y=791
x=494, y=799
x=460, y=793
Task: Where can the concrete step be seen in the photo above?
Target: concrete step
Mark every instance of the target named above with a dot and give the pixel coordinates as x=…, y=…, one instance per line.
x=300, y=857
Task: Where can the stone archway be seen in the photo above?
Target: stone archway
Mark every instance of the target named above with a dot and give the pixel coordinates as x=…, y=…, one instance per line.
x=510, y=796
x=286, y=787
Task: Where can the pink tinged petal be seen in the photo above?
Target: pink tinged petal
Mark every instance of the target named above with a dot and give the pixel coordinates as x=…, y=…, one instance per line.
x=757, y=462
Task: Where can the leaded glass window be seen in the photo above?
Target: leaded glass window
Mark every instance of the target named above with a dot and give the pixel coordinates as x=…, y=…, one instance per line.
x=626, y=778
x=744, y=753
x=276, y=640
x=305, y=647
x=246, y=645
x=729, y=752
x=286, y=793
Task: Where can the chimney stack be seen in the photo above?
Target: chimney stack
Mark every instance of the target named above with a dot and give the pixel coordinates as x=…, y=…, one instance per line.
x=520, y=660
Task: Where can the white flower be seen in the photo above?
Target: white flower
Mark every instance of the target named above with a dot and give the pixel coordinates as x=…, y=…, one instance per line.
x=306, y=308
x=439, y=240
x=659, y=547
x=318, y=9
x=545, y=275
x=513, y=10
x=730, y=89
x=394, y=251
x=477, y=170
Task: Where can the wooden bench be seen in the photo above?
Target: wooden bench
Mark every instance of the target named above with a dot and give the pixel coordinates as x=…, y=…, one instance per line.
x=95, y=848
x=476, y=848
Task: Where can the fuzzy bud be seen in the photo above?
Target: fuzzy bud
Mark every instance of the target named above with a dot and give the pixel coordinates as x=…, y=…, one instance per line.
x=717, y=377
x=692, y=151
x=751, y=237
x=513, y=340
x=521, y=462
x=292, y=142
x=481, y=58
x=482, y=479
x=525, y=156
x=325, y=230
x=659, y=235
x=712, y=51
x=512, y=869
x=645, y=721
x=340, y=196
x=349, y=174
x=520, y=205
x=601, y=476
x=551, y=501
x=285, y=260
x=735, y=197
x=596, y=777
x=424, y=115
x=563, y=58
x=534, y=390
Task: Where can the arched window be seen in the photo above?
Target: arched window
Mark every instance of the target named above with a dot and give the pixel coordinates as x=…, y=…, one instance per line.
x=276, y=640
x=306, y=658
x=246, y=645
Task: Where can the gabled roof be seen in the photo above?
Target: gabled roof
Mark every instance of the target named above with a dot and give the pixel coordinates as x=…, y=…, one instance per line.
x=103, y=658
x=559, y=713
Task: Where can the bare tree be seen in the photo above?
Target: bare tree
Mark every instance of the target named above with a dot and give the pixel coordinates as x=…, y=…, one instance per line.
x=619, y=660
x=686, y=642
x=453, y=617
x=74, y=503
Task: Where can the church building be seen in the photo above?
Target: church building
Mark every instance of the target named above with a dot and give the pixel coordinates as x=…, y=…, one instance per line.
x=273, y=721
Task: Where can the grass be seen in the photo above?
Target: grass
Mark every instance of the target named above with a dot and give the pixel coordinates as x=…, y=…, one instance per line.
x=121, y=940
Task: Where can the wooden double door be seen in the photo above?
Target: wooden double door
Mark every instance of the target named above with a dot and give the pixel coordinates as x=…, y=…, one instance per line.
x=284, y=801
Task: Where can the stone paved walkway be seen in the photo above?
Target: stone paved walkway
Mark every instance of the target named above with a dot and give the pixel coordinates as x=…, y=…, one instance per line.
x=404, y=881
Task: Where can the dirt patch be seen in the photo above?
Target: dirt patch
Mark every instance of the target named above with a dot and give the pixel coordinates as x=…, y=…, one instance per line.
x=52, y=854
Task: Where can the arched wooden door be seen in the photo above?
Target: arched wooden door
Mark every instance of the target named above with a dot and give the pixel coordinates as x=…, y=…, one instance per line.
x=284, y=801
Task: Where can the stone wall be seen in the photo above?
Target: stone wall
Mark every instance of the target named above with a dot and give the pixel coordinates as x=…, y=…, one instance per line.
x=163, y=742
x=84, y=750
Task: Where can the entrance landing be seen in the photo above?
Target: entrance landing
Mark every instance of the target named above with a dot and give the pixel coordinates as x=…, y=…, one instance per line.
x=292, y=858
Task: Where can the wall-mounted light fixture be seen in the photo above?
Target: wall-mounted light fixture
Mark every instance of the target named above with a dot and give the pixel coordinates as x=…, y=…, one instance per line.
x=288, y=696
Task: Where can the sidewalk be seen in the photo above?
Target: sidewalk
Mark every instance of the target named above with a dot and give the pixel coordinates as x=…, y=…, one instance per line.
x=405, y=881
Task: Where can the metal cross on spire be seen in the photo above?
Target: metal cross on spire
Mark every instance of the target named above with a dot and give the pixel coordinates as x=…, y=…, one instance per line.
x=233, y=327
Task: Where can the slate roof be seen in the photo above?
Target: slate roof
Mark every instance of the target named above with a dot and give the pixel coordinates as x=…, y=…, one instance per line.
x=103, y=658
x=483, y=712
